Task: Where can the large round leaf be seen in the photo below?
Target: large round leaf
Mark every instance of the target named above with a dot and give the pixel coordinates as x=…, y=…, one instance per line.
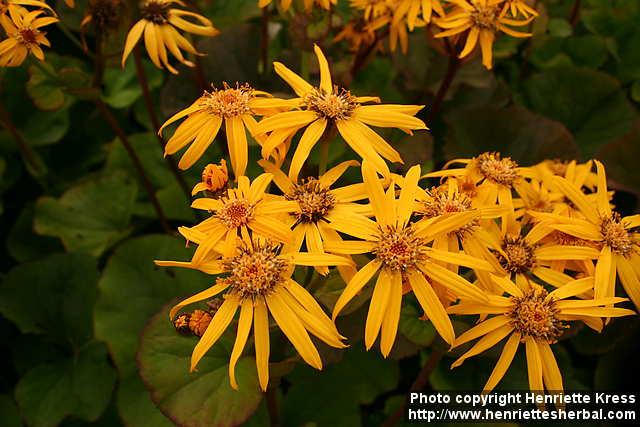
x=199, y=399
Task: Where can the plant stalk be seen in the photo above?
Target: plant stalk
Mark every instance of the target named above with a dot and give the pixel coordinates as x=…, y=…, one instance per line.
x=146, y=93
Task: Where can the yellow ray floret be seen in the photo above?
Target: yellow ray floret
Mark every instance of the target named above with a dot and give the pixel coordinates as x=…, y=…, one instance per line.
x=24, y=37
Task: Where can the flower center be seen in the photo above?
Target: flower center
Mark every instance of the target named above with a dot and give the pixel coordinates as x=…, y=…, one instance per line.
x=236, y=213
x=228, y=102
x=28, y=36
x=534, y=316
x=441, y=203
x=615, y=235
x=105, y=13
x=314, y=200
x=485, y=16
x=496, y=169
x=399, y=249
x=337, y=105
x=255, y=271
x=519, y=255
x=155, y=11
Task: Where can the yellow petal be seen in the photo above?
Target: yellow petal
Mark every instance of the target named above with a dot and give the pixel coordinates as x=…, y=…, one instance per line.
x=431, y=305
x=572, y=288
x=377, y=307
x=349, y=247
x=503, y=363
x=297, y=83
x=450, y=280
x=294, y=330
x=354, y=286
x=486, y=342
x=603, y=273
x=217, y=326
x=244, y=327
x=459, y=259
x=308, y=140
x=482, y=329
x=383, y=212
x=391, y=317
x=261, y=337
x=629, y=279
x=561, y=252
x=406, y=202
x=132, y=38
x=201, y=296
x=534, y=365
x=325, y=74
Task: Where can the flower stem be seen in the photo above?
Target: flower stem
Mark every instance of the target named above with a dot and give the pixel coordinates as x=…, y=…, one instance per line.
x=574, y=16
x=28, y=155
x=452, y=69
x=362, y=55
x=325, y=141
x=272, y=406
x=146, y=93
x=264, y=40
x=418, y=384
x=137, y=164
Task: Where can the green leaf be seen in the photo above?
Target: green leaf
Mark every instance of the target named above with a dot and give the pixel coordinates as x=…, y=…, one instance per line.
x=514, y=131
x=201, y=398
x=559, y=27
x=45, y=92
x=91, y=216
x=121, y=86
x=23, y=244
x=620, y=158
x=45, y=128
x=333, y=397
x=420, y=332
x=635, y=91
x=132, y=289
x=9, y=412
x=171, y=197
x=80, y=387
x=54, y=296
x=590, y=103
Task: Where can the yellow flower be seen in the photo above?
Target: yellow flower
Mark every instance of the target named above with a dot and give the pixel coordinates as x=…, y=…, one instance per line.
x=327, y=105
x=319, y=208
x=236, y=107
x=357, y=35
x=483, y=19
x=214, y=179
x=537, y=319
x=372, y=9
x=516, y=7
x=617, y=236
x=24, y=36
x=238, y=211
x=403, y=260
x=159, y=22
x=257, y=280
x=411, y=11
x=14, y=7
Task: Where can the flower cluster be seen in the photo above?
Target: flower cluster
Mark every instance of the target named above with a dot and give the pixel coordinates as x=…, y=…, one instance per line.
x=530, y=250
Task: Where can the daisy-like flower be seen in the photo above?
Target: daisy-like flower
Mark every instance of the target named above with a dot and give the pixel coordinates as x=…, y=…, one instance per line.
x=488, y=179
x=617, y=236
x=160, y=24
x=257, y=280
x=481, y=21
x=327, y=105
x=236, y=107
x=320, y=208
x=537, y=319
x=214, y=179
x=25, y=36
x=411, y=11
x=11, y=8
x=403, y=260
x=238, y=211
